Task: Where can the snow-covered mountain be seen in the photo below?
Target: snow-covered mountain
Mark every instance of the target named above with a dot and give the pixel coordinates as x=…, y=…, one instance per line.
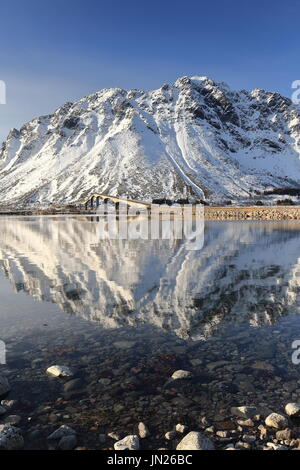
x=234, y=279
x=192, y=137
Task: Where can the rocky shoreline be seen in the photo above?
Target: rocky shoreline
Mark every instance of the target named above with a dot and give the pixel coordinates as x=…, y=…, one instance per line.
x=245, y=428
x=210, y=212
x=252, y=213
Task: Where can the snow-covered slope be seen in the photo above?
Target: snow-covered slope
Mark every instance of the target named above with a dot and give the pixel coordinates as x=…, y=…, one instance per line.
x=192, y=137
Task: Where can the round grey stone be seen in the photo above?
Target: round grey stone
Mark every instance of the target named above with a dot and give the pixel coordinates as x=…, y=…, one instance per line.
x=105, y=382
x=195, y=441
x=60, y=371
x=143, y=431
x=128, y=443
x=293, y=409
x=181, y=428
x=181, y=374
x=277, y=421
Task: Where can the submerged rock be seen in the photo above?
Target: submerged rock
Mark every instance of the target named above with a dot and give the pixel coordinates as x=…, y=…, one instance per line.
x=170, y=435
x=105, y=382
x=274, y=446
x=128, y=443
x=293, y=410
x=63, y=431
x=181, y=374
x=277, y=421
x=195, y=441
x=60, y=371
x=74, y=384
x=67, y=442
x=10, y=438
x=143, y=431
x=245, y=423
x=124, y=344
x=244, y=411
x=115, y=436
x=4, y=386
x=240, y=445
x=35, y=434
x=12, y=419
x=222, y=434
x=284, y=435
x=10, y=404
x=181, y=428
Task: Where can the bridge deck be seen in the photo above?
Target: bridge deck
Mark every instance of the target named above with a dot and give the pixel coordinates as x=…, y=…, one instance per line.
x=94, y=196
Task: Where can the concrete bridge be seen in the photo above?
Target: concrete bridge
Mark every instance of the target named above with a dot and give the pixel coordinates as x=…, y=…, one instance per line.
x=93, y=201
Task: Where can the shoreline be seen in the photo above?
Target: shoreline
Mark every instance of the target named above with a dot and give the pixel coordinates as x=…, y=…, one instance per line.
x=210, y=212
x=252, y=213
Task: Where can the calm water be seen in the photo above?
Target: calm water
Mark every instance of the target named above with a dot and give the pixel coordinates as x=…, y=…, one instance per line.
x=134, y=312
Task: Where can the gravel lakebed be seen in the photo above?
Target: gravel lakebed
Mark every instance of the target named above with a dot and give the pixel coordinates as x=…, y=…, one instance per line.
x=148, y=391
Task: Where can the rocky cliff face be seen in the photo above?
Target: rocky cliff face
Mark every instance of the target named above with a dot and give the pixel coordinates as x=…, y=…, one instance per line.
x=192, y=137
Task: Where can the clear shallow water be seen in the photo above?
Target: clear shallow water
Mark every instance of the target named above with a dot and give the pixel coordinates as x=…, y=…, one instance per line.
x=134, y=312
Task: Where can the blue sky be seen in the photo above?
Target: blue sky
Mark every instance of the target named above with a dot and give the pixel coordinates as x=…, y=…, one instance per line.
x=58, y=51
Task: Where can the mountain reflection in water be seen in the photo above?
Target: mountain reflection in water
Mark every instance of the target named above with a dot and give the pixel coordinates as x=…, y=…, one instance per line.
x=246, y=272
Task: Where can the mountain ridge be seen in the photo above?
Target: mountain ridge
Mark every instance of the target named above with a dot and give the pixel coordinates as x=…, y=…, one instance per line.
x=195, y=137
